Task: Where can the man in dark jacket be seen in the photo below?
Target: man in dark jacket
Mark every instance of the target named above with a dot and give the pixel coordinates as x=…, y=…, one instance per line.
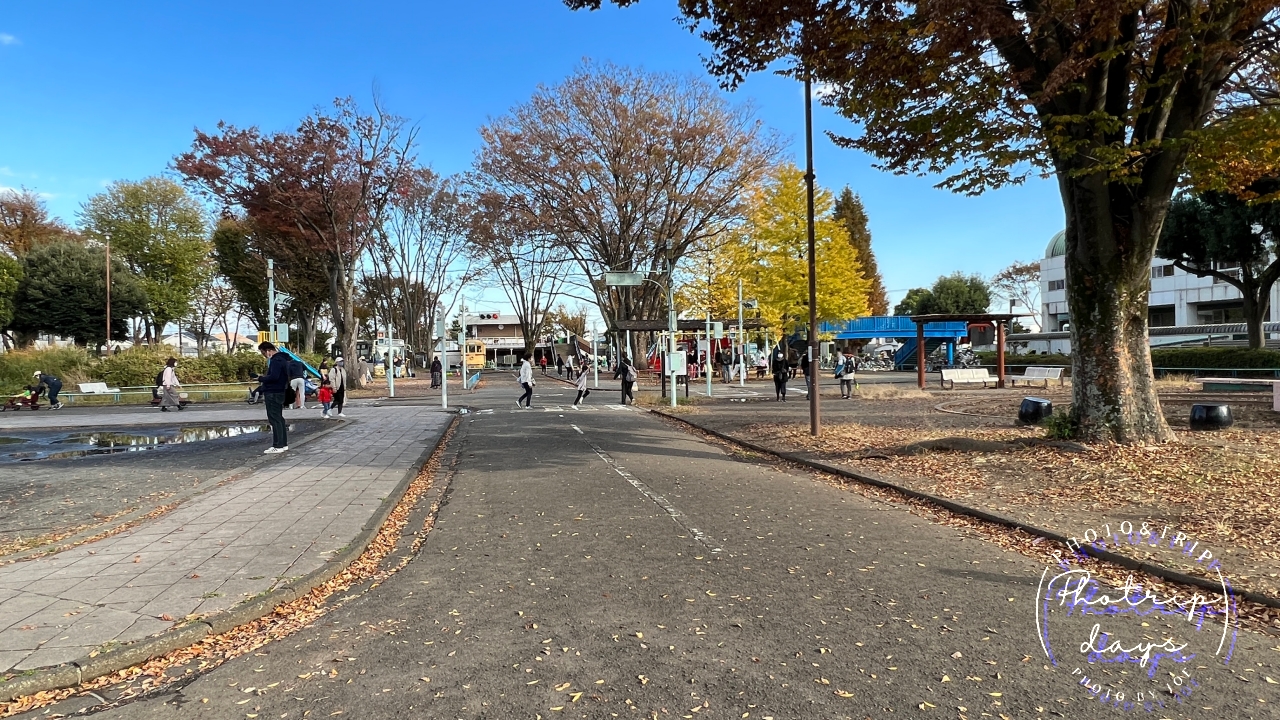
x=54, y=385
x=274, y=383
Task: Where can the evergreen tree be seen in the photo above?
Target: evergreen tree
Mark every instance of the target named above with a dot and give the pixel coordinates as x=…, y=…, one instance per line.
x=63, y=291
x=850, y=212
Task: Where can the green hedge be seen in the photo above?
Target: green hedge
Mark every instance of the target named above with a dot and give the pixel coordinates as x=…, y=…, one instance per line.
x=139, y=366
x=134, y=367
x=1207, y=358
x=71, y=364
x=1011, y=360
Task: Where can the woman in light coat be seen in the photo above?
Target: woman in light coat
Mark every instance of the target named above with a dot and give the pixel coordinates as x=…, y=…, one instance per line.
x=170, y=386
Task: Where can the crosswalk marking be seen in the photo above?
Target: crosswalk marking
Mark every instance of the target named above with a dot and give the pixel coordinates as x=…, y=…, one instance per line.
x=583, y=408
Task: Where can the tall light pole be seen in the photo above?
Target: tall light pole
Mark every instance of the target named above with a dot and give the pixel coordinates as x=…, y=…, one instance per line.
x=742, y=344
x=815, y=422
x=106, y=346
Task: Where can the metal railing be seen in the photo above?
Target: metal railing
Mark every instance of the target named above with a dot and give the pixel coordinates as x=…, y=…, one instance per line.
x=202, y=391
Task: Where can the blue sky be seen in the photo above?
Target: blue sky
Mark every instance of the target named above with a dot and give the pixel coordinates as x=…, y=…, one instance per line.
x=95, y=92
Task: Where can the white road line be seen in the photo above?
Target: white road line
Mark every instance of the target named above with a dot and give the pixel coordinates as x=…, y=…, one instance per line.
x=674, y=513
x=575, y=427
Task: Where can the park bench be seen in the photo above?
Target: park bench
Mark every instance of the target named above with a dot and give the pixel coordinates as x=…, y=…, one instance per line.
x=96, y=388
x=1039, y=374
x=967, y=375
x=1232, y=384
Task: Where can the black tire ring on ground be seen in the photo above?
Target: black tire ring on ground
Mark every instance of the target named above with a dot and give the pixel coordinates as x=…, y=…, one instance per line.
x=1156, y=570
x=85, y=669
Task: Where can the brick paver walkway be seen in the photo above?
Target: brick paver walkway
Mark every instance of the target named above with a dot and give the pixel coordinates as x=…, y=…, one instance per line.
x=279, y=522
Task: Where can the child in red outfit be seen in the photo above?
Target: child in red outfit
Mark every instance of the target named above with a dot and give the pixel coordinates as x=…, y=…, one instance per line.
x=325, y=396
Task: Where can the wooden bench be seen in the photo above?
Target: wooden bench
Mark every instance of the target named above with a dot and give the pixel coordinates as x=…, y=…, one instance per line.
x=1038, y=374
x=1238, y=384
x=967, y=375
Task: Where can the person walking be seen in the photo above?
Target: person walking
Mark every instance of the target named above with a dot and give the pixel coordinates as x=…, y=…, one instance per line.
x=762, y=365
x=169, y=386
x=806, y=368
x=338, y=380
x=52, y=384
x=850, y=375
x=846, y=384
x=543, y=362
x=325, y=396
x=274, y=384
x=527, y=382
x=437, y=372
x=629, y=375
x=559, y=366
x=583, y=391
x=298, y=383
x=781, y=369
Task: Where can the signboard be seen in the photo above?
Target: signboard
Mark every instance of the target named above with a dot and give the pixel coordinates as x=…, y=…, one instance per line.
x=624, y=279
x=282, y=332
x=677, y=364
x=717, y=330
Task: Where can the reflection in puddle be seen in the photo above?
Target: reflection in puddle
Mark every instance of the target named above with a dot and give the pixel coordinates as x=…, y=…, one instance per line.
x=79, y=444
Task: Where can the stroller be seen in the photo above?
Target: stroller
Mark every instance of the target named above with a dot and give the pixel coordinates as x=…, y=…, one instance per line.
x=29, y=398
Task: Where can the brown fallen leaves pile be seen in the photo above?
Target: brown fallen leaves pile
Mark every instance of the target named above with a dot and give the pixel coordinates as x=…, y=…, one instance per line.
x=1219, y=488
x=284, y=621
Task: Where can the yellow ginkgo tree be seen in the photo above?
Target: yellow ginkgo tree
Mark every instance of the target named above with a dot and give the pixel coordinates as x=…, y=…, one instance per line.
x=772, y=255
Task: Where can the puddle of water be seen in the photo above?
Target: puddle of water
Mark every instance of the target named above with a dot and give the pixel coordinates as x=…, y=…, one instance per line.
x=80, y=444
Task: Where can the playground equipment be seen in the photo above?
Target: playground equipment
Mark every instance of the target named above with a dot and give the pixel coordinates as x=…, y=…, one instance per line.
x=900, y=327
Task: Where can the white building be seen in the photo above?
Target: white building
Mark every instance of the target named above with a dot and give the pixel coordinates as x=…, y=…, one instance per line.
x=1177, y=298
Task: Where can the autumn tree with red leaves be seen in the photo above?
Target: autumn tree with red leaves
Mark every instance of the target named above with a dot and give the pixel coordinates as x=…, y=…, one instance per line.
x=325, y=186
x=1107, y=95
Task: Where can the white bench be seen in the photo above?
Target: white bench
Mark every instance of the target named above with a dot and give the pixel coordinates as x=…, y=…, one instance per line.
x=1038, y=374
x=96, y=388
x=967, y=375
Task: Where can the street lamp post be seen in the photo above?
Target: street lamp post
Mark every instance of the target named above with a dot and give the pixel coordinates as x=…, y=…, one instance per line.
x=815, y=422
x=106, y=346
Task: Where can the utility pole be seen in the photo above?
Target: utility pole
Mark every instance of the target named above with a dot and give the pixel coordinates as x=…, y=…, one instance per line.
x=742, y=343
x=444, y=365
x=595, y=359
x=106, y=347
x=271, y=300
x=815, y=421
x=462, y=342
x=671, y=331
x=709, y=366
x=391, y=359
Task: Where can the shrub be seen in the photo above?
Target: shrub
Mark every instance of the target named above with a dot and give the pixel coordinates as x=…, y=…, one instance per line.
x=1011, y=360
x=133, y=367
x=70, y=364
x=1211, y=357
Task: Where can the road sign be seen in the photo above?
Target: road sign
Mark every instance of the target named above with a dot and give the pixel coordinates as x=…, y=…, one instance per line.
x=624, y=279
x=717, y=329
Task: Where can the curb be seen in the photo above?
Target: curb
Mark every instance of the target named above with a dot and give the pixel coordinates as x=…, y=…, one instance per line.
x=87, y=668
x=1156, y=570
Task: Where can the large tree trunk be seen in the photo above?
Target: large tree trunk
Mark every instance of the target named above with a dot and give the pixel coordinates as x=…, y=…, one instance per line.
x=1254, y=313
x=1111, y=238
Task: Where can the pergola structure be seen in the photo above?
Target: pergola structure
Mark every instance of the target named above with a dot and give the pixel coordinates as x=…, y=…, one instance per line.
x=999, y=320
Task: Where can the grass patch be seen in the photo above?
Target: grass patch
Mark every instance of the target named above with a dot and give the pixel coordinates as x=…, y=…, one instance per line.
x=888, y=391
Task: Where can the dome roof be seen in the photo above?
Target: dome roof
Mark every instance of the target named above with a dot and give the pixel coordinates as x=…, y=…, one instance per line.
x=1057, y=246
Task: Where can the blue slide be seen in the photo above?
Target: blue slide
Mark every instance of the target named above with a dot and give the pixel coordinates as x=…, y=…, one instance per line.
x=310, y=369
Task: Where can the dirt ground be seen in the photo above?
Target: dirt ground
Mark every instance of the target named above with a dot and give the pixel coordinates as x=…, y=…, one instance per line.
x=1219, y=488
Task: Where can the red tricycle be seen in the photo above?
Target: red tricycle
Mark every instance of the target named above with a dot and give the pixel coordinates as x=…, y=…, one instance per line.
x=29, y=399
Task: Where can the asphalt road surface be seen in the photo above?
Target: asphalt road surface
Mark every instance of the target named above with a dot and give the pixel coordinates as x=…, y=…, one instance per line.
x=603, y=563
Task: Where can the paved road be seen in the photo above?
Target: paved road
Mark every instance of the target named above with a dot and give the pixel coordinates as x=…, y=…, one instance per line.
x=600, y=563
x=277, y=522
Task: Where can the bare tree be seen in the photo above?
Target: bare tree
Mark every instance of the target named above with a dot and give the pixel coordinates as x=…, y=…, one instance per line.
x=331, y=180
x=419, y=256
x=626, y=170
x=523, y=259
x=1021, y=282
x=212, y=301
